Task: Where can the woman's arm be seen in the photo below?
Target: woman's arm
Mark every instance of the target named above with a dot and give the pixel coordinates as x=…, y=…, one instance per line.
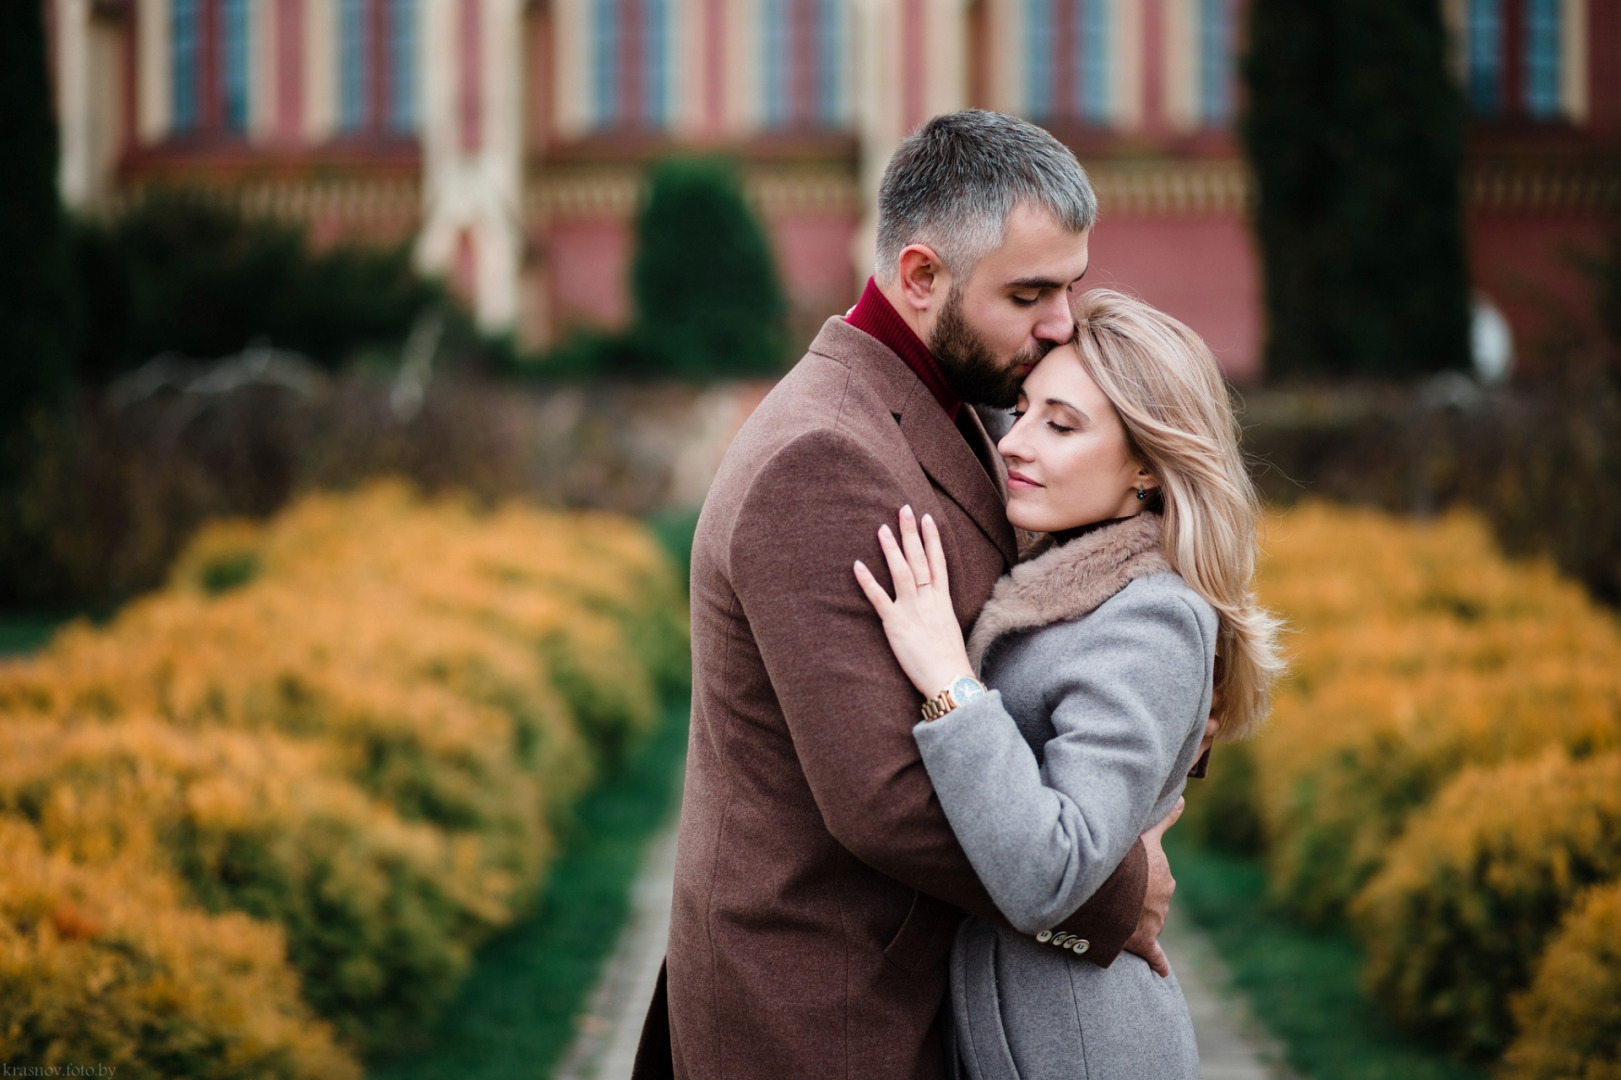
x=1126, y=685
x=1042, y=840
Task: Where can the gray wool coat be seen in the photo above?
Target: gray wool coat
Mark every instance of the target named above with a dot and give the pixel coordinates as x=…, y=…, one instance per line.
x=1100, y=661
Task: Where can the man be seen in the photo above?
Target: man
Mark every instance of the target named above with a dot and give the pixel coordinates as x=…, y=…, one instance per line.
x=818, y=885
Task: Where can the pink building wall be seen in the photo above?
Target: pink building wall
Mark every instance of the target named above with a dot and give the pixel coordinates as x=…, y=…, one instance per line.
x=1203, y=270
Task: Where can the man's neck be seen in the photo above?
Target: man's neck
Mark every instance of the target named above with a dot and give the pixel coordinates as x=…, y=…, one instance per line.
x=910, y=315
x=876, y=315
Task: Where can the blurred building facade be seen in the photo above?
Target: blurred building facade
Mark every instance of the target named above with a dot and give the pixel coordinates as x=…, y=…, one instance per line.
x=507, y=138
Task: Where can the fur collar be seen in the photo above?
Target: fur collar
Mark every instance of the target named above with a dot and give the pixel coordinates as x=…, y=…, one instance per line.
x=1056, y=582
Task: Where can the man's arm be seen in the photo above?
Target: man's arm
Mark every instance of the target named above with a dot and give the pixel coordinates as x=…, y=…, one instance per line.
x=811, y=512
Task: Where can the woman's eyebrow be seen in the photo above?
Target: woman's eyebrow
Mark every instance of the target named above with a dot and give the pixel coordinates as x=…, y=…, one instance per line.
x=1076, y=409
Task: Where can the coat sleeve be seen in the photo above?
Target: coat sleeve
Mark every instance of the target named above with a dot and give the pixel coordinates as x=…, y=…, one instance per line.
x=809, y=514
x=1129, y=688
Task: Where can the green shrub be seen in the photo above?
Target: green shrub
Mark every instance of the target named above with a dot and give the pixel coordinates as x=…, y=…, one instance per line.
x=182, y=273
x=708, y=300
x=1477, y=885
x=1570, y=1019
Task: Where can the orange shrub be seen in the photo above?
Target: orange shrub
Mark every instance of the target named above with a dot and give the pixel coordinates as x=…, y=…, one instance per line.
x=1417, y=649
x=380, y=914
x=1454, y=921
x=105, y=965
x=363, y=720
x=1570, y=1020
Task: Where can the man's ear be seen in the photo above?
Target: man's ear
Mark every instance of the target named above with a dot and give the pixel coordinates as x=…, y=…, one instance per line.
x=924, y=280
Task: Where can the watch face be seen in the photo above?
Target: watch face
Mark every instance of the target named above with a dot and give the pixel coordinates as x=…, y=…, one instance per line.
x=966, y=689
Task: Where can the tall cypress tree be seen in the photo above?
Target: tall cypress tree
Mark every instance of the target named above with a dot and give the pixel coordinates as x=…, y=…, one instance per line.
x=708, y=301
x=36, y=299
x=1354, y=130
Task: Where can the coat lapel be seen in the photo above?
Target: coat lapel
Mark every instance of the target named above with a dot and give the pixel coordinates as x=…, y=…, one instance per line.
x=948, y=459
x=944, y=453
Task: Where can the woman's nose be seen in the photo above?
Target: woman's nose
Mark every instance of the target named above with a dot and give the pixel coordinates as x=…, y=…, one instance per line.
x=1013, y=441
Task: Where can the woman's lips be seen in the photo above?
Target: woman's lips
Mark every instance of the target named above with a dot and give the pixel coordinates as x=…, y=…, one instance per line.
x=1019, y=480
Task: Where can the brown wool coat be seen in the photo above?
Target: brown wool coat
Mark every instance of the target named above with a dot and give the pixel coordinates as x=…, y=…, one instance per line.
x=818, y=884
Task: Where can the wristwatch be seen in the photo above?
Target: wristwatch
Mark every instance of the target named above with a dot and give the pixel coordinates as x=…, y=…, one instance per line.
x=960, y=692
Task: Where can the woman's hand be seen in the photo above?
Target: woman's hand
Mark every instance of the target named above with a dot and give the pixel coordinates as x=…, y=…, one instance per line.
x=921, y=627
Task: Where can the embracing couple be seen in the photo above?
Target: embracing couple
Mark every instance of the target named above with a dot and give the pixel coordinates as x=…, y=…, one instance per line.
x=931, y=761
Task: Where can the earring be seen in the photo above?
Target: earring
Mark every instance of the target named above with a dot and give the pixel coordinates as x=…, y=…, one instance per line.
x=1141, y=494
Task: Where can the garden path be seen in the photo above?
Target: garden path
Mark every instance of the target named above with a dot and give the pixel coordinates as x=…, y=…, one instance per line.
x=1232, y=1046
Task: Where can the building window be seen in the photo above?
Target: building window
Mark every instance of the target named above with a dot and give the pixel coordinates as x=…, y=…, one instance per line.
x=401, y=53
x=1513, y=58
x=209, y=54
x=377, y=66
x=632, y=44
x=1067, y=59
x=1215, y=61
x=1542, y=58
x=186, y=52
x=1485, y=36
x=802, y=54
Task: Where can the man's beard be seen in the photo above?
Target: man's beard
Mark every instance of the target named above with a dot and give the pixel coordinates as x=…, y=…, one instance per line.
x=969, y=365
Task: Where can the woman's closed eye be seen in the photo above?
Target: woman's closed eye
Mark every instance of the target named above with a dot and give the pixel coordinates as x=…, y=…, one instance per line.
x=1060, y=428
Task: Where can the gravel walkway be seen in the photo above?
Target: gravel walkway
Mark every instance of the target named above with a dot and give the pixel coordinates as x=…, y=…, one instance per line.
x=1231, y=1045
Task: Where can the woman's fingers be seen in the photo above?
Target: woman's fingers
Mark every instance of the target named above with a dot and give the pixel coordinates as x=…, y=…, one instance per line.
x=875, y=592
x=899, y=570
x=912, y=545
x=936, y=553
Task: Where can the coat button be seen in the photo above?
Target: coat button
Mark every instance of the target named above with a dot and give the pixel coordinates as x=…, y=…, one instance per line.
x=1081, y=945
x=1045, y=936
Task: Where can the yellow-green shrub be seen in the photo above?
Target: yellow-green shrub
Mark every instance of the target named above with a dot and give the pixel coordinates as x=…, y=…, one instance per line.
x=1454, y=921
x=1570, y=1019
x=1417, y=649
x=105, y=965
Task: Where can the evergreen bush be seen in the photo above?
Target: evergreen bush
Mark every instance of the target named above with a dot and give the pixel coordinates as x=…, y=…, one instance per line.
x=708, y=301
x=1354, y=130
x=707, y=295
x=181, y=273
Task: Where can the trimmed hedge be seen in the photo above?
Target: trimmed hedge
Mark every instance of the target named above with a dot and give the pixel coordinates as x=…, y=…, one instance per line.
x=1418, y=650
x=104, y=964
x=363, y=722
x=1570, y=1020
x=1443, y=766
x=1476, y=886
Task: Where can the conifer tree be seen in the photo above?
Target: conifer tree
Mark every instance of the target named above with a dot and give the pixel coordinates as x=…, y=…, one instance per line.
x=1354, y=130
x=36, y=299
x=708, y=301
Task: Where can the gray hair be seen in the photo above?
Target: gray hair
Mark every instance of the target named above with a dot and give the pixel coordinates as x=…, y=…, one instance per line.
x=952, y=183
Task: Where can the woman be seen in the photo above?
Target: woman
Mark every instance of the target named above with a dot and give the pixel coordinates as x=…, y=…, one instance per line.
x=1104, y=649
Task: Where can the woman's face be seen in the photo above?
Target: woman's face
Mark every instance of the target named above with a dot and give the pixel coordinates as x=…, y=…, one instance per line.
x=1068, y=463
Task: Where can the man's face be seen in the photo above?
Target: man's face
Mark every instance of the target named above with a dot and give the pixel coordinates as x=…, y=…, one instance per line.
x=1014, y=307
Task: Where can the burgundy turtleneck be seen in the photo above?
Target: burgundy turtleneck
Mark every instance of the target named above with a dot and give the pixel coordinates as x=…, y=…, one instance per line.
x=876, y=316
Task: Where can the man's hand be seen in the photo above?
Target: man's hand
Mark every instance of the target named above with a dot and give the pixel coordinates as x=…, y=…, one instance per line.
x=1144, y=941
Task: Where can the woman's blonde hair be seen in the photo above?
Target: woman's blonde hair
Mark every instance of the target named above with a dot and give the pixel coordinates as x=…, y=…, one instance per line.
x=1170, y=394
